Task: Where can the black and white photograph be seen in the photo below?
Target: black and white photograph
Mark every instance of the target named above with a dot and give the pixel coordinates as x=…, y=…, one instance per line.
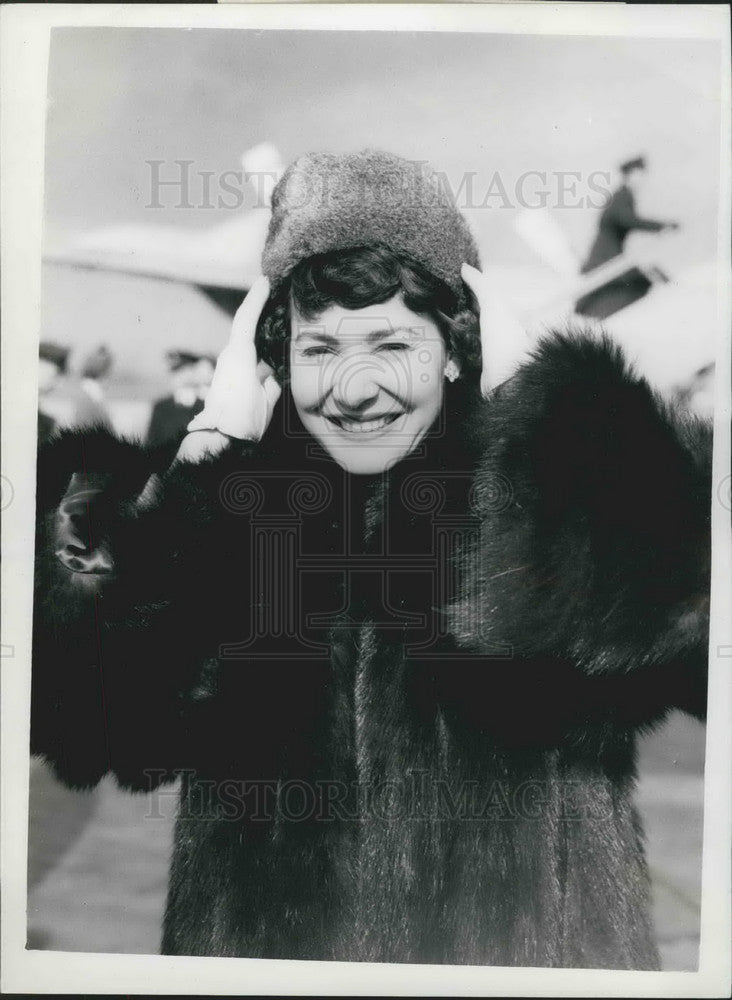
x=368, y=527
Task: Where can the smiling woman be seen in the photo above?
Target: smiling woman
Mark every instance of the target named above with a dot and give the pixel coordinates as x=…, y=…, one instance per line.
x=366, y=337
x=397, y=639
x=369, y=392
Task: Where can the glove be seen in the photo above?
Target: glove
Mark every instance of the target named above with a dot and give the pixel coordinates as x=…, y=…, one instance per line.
x=504, y=342
x=243, y=392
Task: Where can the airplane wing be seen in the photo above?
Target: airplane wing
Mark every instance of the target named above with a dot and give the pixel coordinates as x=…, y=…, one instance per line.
x=222, y=261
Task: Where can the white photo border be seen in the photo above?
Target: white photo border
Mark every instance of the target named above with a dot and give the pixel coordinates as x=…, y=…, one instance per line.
x=25, y=40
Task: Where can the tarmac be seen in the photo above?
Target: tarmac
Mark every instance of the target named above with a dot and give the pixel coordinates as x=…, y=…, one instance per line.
x=98, y=860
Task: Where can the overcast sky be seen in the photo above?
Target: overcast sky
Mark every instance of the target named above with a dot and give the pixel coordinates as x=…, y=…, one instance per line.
x=482, y=103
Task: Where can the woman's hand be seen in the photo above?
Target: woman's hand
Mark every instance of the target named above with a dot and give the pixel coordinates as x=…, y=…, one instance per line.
x=504, y=342
x=243, y=391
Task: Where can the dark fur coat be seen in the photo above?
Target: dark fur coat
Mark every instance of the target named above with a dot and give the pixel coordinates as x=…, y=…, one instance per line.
x=404, y=707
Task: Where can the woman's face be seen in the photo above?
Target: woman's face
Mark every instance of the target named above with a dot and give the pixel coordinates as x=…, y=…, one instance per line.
x=367, y=383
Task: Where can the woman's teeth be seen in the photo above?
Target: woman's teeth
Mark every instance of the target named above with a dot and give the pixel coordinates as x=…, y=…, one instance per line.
x=364, y=426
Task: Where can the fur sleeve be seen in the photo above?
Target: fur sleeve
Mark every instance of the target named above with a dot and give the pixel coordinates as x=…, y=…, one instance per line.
x=118, y=645
x=596, y=548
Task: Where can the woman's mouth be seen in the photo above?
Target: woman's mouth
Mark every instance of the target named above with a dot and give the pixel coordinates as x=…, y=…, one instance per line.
x=357, y=425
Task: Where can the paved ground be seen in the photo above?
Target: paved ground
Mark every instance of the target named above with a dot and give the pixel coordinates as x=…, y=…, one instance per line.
x=98, y=860
x=671, y=800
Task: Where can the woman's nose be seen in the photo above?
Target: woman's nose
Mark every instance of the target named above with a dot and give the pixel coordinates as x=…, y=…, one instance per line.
x=355, y=384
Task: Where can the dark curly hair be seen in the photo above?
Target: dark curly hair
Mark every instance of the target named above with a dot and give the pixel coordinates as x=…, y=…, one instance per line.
x=364, y=276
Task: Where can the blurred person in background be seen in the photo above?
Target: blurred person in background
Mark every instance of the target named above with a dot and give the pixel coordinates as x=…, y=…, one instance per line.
x=191, y=375
x=52, y=362
x=618, y=219
x=87, y=396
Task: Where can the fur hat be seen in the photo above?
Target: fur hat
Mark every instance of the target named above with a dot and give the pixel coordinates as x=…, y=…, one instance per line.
x=326, y=202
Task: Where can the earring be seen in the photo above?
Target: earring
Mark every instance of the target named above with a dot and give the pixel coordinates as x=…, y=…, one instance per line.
x=451, y=371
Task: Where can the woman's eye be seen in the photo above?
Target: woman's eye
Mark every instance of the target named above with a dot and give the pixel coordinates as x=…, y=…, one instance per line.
x=314, y=352
x=394, y=345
